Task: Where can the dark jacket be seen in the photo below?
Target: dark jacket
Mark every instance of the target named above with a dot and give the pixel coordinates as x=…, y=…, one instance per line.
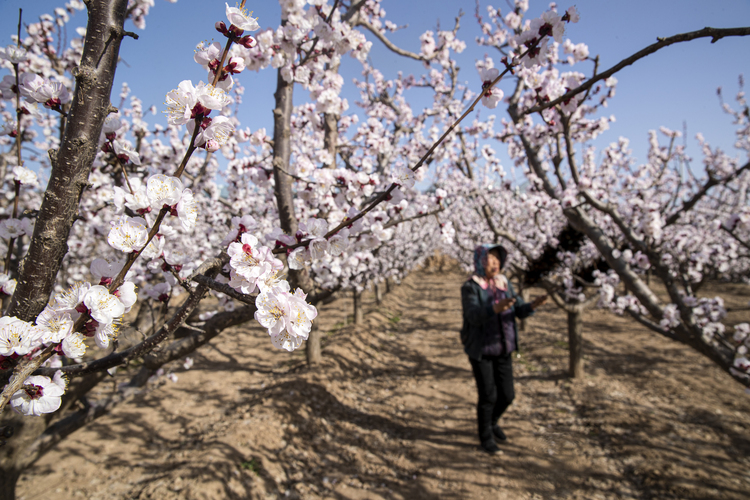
x=481, y=321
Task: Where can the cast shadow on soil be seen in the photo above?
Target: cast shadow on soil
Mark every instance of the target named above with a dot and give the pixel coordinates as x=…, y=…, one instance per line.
x=632, y=431
x=386, y=441
x=148, y=458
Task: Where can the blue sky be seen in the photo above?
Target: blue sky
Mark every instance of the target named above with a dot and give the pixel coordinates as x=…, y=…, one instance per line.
x=673, y=87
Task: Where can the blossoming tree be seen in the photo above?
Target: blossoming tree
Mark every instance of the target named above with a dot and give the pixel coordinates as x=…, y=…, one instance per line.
x=658, y=216
x=125, y=199
x=104, y=264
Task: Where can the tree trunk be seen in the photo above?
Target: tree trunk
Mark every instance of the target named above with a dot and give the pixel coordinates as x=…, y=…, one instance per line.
x=24, y=430
x=71, y=164
x=312, y=346
x=282, y=150
x=378, y=294
x=522, y=323
x=331, y=128
x=8, y=481
x=387, y=286
x=359, y=316
x=575, y=342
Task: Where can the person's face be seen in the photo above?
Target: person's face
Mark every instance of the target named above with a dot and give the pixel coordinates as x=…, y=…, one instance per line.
x=493, y=266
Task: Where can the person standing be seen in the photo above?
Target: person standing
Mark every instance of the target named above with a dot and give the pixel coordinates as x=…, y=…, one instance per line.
x=489, y=336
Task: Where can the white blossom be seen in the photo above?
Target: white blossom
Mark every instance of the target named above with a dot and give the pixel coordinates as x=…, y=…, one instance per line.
x=241, y=18
x=39, y=395
x=105, y=334
x=272, y=311
x=25, y=176
x=163, y=190
x=56, y=325
x=251, y=260
x=403, y=176
x=297, y=258
x=18, y=337
x=103, y=306
x=187, y=210
x=73, y=346
x=12, y=228
x=122, y=148
x=128, y=234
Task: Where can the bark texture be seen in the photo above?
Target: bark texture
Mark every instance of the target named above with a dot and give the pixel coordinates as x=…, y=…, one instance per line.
x=71, y=164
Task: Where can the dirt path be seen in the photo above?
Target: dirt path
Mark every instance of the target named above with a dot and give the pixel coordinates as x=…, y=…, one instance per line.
x=390, y=415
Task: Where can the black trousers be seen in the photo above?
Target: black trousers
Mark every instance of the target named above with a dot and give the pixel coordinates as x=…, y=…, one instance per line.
x=494, y=377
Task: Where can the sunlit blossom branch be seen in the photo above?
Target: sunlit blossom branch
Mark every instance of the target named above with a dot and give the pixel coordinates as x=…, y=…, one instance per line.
x=19, y=159
x=152, y=362
x=133, y=256
x=398, y=50
x=119, y=358
x=22, y=371
x=386, y=194
x=220, y=69
x=310, y=53
x=714, y=33
x=711, y=182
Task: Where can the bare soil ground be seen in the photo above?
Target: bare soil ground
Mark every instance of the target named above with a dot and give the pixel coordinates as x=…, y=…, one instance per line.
x=391, y=415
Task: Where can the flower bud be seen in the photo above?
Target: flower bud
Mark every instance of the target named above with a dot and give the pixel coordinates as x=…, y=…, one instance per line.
x=222, y=28
x=247, y=41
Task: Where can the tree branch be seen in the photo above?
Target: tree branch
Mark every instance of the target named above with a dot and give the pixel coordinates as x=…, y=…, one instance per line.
x=714, y=33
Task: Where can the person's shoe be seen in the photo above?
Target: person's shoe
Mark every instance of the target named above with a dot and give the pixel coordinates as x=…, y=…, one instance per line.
x=498, y=433
x=490, y=447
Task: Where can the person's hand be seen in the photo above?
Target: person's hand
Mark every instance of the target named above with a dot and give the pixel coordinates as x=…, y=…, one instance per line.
x=538, y=301
x=503, y=305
